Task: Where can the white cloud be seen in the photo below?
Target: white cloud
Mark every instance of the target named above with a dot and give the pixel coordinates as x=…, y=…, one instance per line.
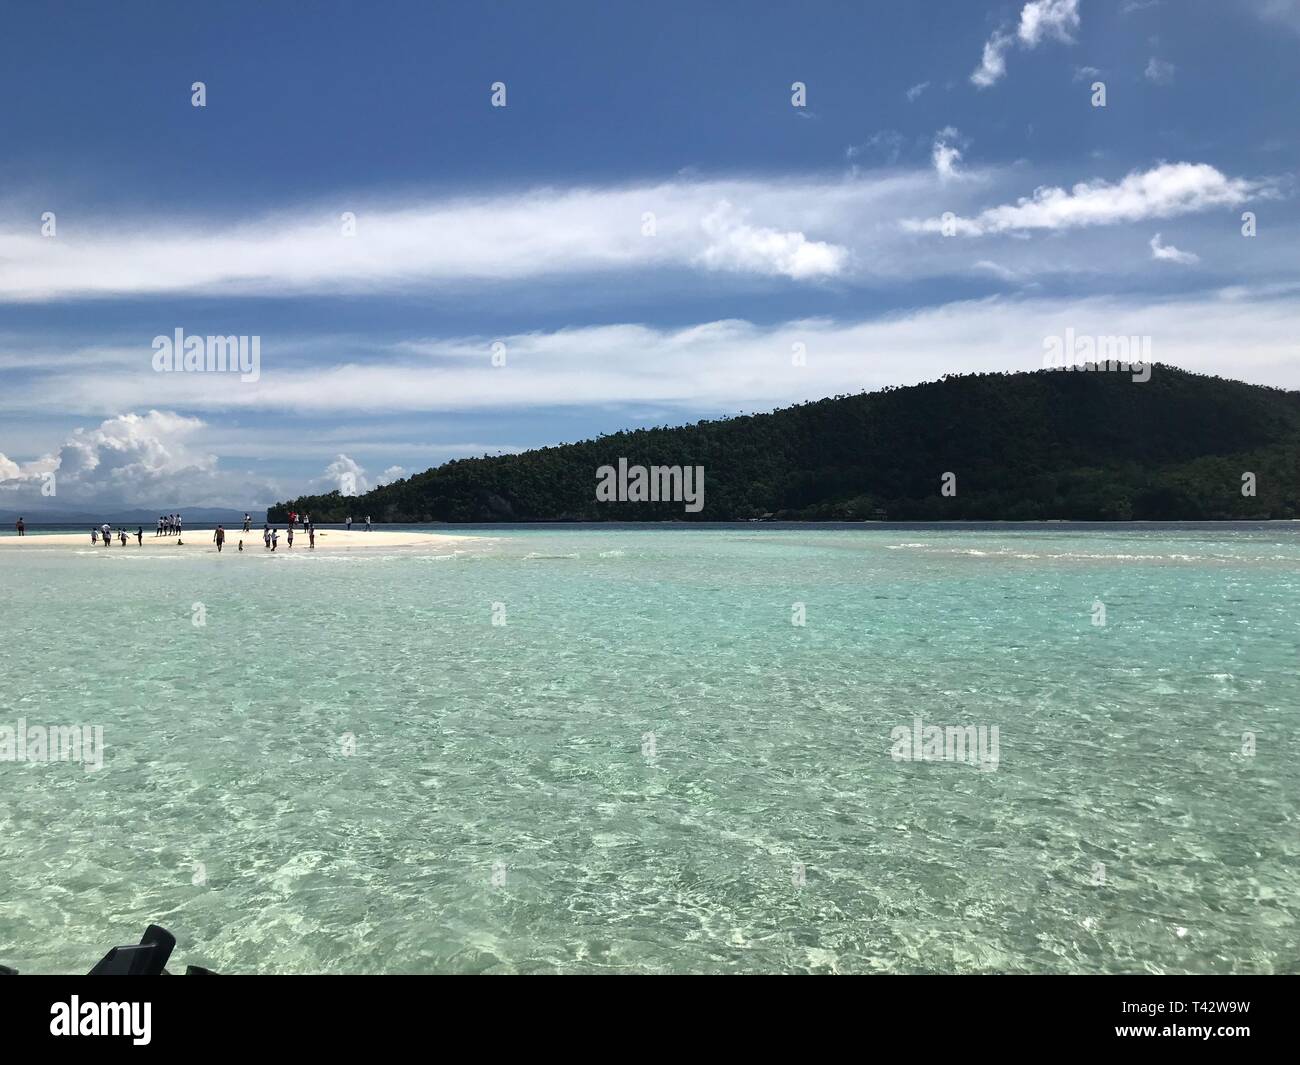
x=1168, y=253
x=944, y=154
x=344, y=475
x=1040, y=20
x=916, y=91
x=1163, y=192
x=993, y=63
x=129, y=459
x=348, y=477
x=1159, y=72
x=741, y=225
x=1048, y=18
x=737, y=246
x=1086, y=73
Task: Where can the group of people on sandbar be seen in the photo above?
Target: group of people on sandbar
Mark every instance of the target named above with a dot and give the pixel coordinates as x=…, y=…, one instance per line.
x=171, y=525
x=104, y=534
x=270, y=536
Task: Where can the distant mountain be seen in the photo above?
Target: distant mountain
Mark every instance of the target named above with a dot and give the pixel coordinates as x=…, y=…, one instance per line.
x=1081, y=445
x=194, y=517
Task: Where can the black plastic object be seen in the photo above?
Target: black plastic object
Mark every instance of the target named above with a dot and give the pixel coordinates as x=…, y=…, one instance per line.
x=146, y=959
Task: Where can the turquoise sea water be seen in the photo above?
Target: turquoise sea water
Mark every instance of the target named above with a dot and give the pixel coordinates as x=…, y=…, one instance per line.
x=648, y=767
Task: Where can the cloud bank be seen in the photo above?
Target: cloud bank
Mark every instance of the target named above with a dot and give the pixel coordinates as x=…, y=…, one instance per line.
x=747, y=227
x=126, y=459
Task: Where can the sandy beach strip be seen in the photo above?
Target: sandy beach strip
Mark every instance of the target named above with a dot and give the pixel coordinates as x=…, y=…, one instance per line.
x=201, y=540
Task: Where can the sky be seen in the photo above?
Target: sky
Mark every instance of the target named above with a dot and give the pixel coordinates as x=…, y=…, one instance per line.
x=463, y=229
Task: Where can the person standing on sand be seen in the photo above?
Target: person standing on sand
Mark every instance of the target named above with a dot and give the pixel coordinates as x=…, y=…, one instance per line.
x=349, y=522
x=220, y=537
x=94, y=537
x=367, y=523
x=311, y=535
x=290, y=536
x=266, y=535
x=275, y=538
x=21, y=526
x=247, y=519
x=106, y=533
x=139, y=536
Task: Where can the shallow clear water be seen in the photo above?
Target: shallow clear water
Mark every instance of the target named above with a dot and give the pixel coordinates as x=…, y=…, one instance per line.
x=629, y=773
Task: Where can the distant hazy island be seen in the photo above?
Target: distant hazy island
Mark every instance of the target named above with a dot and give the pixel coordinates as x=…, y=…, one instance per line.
x=1084, y=446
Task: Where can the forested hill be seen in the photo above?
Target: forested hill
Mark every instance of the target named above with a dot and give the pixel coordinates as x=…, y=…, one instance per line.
x=1051, y=444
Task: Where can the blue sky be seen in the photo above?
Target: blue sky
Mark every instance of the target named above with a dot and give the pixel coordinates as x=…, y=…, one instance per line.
x=774, y=226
